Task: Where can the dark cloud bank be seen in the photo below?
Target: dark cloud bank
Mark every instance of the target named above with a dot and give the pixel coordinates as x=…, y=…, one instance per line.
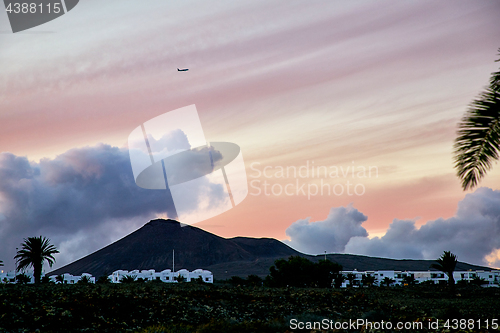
x=473, y=233
x=82, y=200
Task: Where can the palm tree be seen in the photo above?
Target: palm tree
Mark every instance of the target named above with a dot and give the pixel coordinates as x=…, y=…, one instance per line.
x=338, y=279
x=128, y=279
x=84, y=280
x=23, y=278
x=103, y=279
x=409, y=280
x=60, y=278
x=478, y=141
x=351, y=277
x=34, y=251
x=446, y=264
x=388, y=281
x=368, y=280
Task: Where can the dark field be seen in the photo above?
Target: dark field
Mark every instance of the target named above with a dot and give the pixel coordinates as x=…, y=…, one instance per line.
x=187, y=307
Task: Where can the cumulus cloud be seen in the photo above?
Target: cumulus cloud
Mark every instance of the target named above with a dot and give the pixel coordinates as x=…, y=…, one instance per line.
x=473, y=233
x=85, y=199
x=82, y=200
x=331, y=235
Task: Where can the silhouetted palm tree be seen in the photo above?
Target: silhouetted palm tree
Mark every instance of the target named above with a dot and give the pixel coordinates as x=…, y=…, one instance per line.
x=34, y=251
x=60, y=278
x=128, y=279
x=447, y=263
x=409, y=280
x=103, y=279
x=23, y=278
x=368, y=280
x=388, y=281
x=478, y=141
x=84, y=280
x=351, y=277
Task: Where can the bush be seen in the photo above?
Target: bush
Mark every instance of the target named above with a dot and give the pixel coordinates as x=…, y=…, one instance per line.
x=128, y=279
x=103, y=279
x=180, y=278
x=84, y=280
x=23, y=278
x=46, y=280
x=301, y=272
x=254, y=280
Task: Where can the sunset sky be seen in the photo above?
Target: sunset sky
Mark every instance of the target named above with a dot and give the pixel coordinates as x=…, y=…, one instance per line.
x=338, y=84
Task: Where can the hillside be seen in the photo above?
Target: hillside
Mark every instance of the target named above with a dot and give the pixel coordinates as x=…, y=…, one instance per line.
x=150, y=247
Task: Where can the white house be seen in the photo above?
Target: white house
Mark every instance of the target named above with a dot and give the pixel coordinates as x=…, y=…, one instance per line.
x=9, y=277
x=492, y=278
x=165, y=276
x=72, y=279
x=147, y=275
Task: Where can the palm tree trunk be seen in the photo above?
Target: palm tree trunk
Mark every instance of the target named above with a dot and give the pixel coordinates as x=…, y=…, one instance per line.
x=451, y=281
x=37, y=271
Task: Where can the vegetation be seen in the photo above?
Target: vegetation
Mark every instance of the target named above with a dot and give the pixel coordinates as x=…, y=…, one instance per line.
x=447, y=263
x=478, y=141
x=192, y=307
x=128, y=279
x=387, y=281
x=180, y=278
x=22, y=278
x=46, y=280
x=301, y=272
x=368, y=280
x=84, y=280
x=409, y=280
x=60, y=278
x=351, y=277
x=479, y=281
x=250, y=281
x=34, y=251
x=338, y=279
x=103, y=279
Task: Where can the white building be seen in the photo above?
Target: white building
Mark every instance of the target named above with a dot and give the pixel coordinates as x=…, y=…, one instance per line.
x=147, y=275
x=492, y=278
x=165, y=276
x=72, y=279
x=9, y=277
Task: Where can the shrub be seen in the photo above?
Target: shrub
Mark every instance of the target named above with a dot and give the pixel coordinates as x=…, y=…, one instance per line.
x=103, y=279
x=301, y=272
x=128, y=279
x=84, y=280
x=180, y=278
x=23, y=278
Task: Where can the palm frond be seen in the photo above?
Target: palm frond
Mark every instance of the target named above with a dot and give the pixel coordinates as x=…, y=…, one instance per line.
x=34, y=251
x=478, y=141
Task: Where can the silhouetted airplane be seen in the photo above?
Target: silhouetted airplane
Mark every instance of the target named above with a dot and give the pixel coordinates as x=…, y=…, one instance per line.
x=183, y=69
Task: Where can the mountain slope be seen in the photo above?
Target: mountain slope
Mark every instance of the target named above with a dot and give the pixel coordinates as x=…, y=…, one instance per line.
x=150, y=247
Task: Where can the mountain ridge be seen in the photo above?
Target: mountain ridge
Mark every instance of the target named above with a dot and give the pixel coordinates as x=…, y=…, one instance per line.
x=150, y=247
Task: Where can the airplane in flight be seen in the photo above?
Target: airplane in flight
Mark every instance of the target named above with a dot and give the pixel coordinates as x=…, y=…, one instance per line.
x=183, y=69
